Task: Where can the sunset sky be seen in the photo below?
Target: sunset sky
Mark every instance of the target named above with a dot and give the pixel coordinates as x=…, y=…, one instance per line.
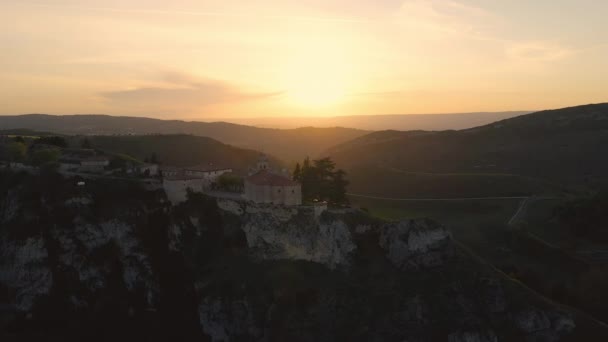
x=226, y=58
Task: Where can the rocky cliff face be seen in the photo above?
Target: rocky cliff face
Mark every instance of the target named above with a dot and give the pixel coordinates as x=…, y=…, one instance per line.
x=97, y=264
x=416, y=244
x=275, y=233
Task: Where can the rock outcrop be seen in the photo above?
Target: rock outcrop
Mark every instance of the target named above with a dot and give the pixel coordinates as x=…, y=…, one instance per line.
x=24, y=268
x=416, y=244
x=275, y=233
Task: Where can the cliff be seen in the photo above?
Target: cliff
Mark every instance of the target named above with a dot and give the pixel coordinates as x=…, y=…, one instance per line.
x=110, y=261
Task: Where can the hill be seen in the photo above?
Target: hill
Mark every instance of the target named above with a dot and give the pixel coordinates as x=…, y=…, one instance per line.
x=402, y=122
x=289, y=145
x=178, y=150
x=174, y=149
x=559, y=145
x=562, y=145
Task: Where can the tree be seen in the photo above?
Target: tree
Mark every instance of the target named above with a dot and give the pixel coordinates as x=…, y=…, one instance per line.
x=44, y=157
x=230, y=182
x=154, y=158
x=16, y=151
x=85, y=143
x=337, y=190
x=297, y=173
x=54, y=141
x=320, y=181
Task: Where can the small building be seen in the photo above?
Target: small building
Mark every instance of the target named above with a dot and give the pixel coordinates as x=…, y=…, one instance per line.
x=209, y=171
x=265, y=186
x=148, y=169
x=94, y=164
x=83, y=160
x=177, y=180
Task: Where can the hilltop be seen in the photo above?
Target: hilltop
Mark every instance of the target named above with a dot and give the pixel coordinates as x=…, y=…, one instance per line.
x=289, y=145
x=379, y=122
x=175, y=149
x=562, y=145
x=171, y=149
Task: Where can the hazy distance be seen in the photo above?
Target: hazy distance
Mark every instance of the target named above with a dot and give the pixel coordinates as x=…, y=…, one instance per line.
x=402, y=122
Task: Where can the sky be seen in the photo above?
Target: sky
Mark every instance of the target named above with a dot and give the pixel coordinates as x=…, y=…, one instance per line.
x=205, y=60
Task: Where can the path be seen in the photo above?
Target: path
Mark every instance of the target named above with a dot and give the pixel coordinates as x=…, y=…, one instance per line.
x=520, y=211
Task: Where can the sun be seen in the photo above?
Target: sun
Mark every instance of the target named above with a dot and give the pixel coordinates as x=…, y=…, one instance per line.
x=317, y=78
x=316, y=91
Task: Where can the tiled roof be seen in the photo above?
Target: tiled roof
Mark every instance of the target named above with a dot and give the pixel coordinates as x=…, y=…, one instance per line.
x=268, y=178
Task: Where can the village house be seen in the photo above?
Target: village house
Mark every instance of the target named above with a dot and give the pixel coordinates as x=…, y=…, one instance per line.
x=266, y=186
x=177, y=181
x=82, y=160
x=148, y=169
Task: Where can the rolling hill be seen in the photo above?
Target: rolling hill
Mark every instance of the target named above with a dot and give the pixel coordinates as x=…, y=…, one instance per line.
x=289, y=145
x=561, y=146
x=177, y=150
x=402, y=122
x=170, y=149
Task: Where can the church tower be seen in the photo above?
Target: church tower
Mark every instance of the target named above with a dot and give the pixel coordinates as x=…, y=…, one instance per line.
x=263, y=163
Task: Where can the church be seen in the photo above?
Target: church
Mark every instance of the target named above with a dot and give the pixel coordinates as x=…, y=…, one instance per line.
x=265, y=186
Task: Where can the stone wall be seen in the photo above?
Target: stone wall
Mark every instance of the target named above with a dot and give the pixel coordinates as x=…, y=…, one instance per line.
x=287, y=195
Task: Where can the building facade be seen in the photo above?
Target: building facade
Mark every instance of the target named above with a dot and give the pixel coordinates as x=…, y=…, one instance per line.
x=177, y=181
x=264, y=186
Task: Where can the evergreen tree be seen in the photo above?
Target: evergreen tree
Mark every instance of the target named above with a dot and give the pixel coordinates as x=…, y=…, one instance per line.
x=337, y=192
x=17, y=151
x=154, y=158
x=86, y=143
x=297, y=173
x=320, y=181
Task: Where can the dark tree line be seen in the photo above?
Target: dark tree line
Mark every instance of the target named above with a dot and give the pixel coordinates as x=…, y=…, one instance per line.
x=321, y=181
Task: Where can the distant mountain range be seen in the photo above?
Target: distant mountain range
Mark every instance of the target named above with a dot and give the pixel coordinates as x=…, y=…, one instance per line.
x=289, y=145
x=565, y=146
x=402, y=122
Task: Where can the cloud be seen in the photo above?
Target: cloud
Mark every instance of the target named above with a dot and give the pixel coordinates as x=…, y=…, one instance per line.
x=234, y=14
x=181, y=93
x=538, y=51
x=446, y=17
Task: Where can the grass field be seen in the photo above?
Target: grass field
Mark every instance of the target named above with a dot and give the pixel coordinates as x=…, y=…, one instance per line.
x=386, y=182
x=481, y=226
x=469, y=220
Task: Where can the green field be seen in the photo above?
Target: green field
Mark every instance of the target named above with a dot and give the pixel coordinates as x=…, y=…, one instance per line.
x=481, y=226
x=387, y=182
x=469, y=220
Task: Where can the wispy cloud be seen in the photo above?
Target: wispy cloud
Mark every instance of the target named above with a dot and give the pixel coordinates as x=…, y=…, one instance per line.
x=446, y=17
x=182, y=93
x=541, y=51
x=199, y=13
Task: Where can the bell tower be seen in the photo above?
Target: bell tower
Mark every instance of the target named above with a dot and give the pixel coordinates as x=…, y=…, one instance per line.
x=263, y=163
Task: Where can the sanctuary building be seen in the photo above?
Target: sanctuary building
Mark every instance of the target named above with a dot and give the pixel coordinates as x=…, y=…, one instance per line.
x=265, y=186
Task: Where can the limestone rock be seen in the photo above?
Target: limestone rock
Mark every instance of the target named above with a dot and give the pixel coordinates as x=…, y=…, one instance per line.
x=473, y=336
x=225, y=319
x=416, y=244
x=269, y=237
x=23, y=268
